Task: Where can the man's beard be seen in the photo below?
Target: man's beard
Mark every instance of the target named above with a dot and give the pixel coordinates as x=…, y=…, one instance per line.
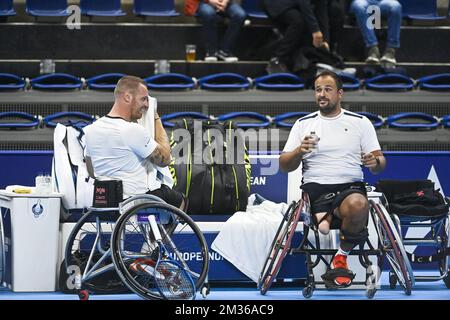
x=329, y=108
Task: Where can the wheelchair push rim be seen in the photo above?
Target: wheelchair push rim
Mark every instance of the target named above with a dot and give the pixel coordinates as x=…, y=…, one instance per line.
x=392, y=246
x=132, y=233
x=280, y=246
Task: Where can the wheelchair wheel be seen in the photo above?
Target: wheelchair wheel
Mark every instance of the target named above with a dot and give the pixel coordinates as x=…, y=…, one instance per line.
x=280, y=246
x=392, y=246
x=79, y=248
x=132, y=241
x=2, y=250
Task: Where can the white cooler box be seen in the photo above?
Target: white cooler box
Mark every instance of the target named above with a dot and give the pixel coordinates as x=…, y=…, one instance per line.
x=31, y=223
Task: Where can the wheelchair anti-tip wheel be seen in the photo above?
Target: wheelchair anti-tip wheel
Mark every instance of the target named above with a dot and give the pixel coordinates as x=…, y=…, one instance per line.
x=132, y=240
x=280, y=246
x=392, y=246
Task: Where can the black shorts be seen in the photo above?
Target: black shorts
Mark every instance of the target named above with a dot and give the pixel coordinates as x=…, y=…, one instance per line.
x=170, y=196
x=327, y=197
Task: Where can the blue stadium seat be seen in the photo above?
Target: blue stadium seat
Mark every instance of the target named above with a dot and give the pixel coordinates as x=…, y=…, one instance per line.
x=101, y=8
x=10, y=81
x=56, y=81
x=420, y=9
x=165, y=119
x=106, y=81
x=253, y=9
x=349, y=82
x=279, y=81
x=69, y=117
x=170, y=81
x=155, y=8
x=22, y=120
x=51, y=8
x=287, y=120
x=257, y=120
x=376, y=120
x=6, y=8
x=412, y=120
x=439, y=82
x=446, y=121
x=224, y=81
x=390, y=82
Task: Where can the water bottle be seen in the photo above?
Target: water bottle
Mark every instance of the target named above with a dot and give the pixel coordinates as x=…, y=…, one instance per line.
x=315, y=140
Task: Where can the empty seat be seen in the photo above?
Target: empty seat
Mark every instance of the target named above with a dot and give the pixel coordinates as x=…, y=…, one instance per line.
x=280, y=81
x=390, y=82
x=253, y=9
x=106, y=81
x=438, y=82
x=68, y=117
x=420, y=9
x=412, y=120
x=287, y=120
x=56, y=81
x=10, y=81
x=6, y=8
x=166, y=119
x=18, y=120
x=349, y=82
x=377, y=120
x=224, y=81
x=170, y=81
x=446, y=121
x=247, y=119
x=53, y=8
x=101, y=8
x=155, y=8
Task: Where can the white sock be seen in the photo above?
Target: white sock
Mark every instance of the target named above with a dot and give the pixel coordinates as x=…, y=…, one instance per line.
x=342, y=252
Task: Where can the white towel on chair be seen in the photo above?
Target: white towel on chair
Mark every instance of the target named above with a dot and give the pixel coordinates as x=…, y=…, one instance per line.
x=245, y=238
x=148, y=122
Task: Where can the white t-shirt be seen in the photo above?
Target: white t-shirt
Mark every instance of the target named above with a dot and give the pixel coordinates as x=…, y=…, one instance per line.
x=342, y=140
x=118, y=149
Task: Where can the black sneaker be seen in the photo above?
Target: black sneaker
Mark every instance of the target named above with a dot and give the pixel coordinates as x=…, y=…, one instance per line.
x=388, y=57
x=227, y=56
x=276, y=66
x=211, y=57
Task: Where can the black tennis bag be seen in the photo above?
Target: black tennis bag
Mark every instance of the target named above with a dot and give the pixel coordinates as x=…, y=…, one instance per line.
x=210, y=166
x=413, y=197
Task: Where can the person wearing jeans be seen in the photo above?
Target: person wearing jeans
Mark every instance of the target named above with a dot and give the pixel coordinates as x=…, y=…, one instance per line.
x=209, y=12
x=391, y=9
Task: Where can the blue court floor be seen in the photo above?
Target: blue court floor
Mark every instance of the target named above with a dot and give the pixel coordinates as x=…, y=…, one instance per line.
x=421, y=291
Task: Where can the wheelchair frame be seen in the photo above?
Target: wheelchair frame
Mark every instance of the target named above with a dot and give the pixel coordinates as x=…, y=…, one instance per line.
x=440, y=239
x=388, y=240
x=101, y=255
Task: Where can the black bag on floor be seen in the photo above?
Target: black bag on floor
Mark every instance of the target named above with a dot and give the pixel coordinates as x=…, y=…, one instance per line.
x=211, y=166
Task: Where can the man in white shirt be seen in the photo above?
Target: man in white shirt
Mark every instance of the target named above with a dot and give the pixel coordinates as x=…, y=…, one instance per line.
x=332, y=144
x=118, y=147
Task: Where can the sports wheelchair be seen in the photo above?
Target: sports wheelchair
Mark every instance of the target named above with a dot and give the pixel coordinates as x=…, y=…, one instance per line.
x=388, y=245
x=142, y=229
x=423, y=217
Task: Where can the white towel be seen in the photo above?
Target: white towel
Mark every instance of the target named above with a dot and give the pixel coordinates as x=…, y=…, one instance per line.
x=148, y=122
x=246, y=237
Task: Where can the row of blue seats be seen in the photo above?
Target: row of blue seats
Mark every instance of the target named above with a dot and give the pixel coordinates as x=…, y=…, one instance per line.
x=222, y=81
x=104, y=8
x=245, y=120
x=412, y=9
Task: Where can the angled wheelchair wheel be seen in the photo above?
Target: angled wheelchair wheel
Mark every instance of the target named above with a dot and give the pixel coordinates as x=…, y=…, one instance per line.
x=280, y=246
x=88, y=257
x=135, y=251
x=392, y=246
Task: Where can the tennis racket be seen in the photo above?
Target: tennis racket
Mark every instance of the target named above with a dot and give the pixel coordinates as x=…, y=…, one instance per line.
x=172, y=280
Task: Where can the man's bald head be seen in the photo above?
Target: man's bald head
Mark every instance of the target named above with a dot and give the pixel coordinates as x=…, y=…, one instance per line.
x=128, y=84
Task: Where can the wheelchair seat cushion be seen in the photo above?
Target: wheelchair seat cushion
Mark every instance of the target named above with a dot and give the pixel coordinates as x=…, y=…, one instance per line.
x=413, y=198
